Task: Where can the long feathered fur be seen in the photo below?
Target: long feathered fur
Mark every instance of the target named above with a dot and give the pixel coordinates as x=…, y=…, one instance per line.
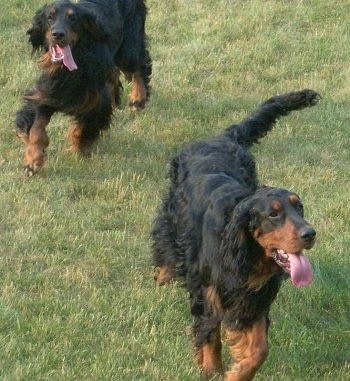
x=105, y=37
x=204, y=231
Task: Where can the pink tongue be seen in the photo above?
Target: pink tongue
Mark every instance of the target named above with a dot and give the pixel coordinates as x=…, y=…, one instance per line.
x=300, y=270
x=68, y=60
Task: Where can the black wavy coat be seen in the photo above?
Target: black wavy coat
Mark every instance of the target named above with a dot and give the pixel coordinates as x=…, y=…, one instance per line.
x=105, y=36
x=204, y=231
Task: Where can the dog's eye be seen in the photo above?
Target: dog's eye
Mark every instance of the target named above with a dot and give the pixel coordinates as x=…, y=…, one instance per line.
x=274, y=214
x=72, y=17
x=300, y=209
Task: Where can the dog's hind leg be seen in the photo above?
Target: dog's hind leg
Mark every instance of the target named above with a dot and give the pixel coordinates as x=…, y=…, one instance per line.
x=139, y=88
x=139, y=92
x=207, y=310
x=134, y=60
x=249, y=349
x=169, y=234
x=164, y=247
x=208, y=355
x=114, y=87
x=31, y=125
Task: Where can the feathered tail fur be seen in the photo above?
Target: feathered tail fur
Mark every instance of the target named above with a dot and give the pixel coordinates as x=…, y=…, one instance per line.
x=256, y=126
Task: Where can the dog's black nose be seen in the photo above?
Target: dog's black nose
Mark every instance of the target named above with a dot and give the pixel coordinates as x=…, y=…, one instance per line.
x=307, y=233
x=58, y=34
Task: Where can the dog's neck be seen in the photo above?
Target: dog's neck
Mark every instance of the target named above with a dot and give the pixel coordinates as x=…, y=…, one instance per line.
x=261, y=273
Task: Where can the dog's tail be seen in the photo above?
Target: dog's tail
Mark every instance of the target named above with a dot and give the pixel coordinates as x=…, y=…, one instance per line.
x=250, y=130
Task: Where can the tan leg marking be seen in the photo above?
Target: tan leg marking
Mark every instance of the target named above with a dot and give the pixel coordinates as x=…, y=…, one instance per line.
x=165, y=275
x=37, y=142
x=75, y=136
x=208, y=357
x=249, y=349
x=76, y=146
x=138, y=96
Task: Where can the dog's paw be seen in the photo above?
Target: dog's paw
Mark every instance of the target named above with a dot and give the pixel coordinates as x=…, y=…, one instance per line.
x=30, y=171
x=137, y=105
x=34, y=160
x=165, y=275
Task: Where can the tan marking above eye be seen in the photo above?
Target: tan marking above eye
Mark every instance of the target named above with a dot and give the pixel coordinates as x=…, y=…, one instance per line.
x=70, y=12
x=276, y=205
x=294, y=199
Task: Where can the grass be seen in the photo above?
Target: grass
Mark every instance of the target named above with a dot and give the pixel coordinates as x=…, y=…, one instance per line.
x=77, y=298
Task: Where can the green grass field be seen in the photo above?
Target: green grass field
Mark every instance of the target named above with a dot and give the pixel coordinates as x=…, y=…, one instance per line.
x=77, y=296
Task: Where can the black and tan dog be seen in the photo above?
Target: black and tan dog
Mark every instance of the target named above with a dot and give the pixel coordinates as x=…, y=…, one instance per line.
x=232, y=240
x=85, y=46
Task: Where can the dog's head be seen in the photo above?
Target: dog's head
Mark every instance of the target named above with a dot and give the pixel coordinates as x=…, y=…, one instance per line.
x=59, y=26
x=273, y=218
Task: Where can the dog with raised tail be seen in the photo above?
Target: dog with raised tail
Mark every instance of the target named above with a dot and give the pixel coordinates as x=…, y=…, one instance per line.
x=232, y=240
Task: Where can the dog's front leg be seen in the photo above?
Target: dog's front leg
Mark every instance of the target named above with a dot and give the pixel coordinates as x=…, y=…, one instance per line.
x=249, y=349
x=37, y=143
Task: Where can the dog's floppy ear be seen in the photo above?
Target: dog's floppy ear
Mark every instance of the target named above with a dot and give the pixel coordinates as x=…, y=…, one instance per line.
x=38, y=30
x=235, y=247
